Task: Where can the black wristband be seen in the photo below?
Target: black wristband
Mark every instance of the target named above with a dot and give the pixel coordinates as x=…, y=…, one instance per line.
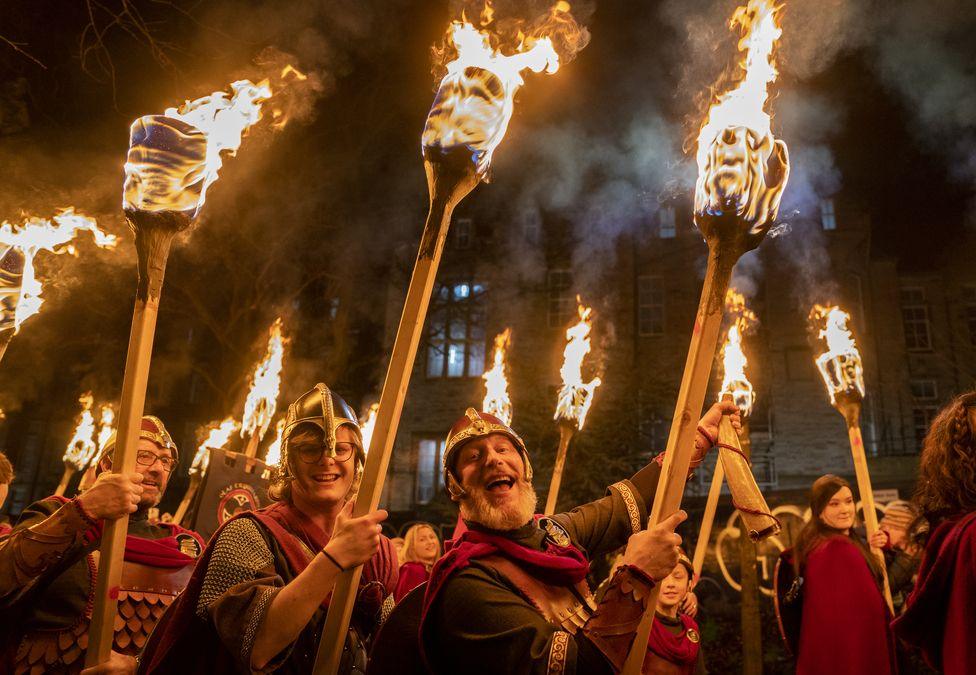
x=334, y=561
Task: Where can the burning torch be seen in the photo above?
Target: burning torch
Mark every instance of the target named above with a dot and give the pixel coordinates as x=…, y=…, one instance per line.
x=20, y=289
x=464, y=127
x=742, y=172
x=217, y=436
x=173, y=159
x=262, y=398
x=843, y=375
x=368, y=424
x=575, y=396
x=106, y=427
x=497, y=401
x=272, y=456
x=81, y=448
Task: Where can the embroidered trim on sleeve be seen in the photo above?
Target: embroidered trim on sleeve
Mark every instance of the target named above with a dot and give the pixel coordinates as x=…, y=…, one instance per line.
x=256, y=619
x=631, y=503
x=558, y=653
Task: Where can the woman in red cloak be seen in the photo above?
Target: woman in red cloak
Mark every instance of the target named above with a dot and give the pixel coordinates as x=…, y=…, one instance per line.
x=674, y=646
x=844, y=627
x=421, y=549
x=940, y=614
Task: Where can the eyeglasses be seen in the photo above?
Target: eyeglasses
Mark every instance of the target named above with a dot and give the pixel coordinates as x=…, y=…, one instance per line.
x=148, y=458
x=312, y=453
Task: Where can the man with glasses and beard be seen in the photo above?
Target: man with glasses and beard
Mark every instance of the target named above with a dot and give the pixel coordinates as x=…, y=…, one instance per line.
x=259, y=596
x=49, y=562
x=510, y=594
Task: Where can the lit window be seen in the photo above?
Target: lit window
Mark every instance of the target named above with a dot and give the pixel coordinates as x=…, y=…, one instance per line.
x=430, y=453
x=562, y=301
x=456, y=331
x=666, y=228
x=915, y=319
x=462, y=233
x=650, y=305
x=828, y=218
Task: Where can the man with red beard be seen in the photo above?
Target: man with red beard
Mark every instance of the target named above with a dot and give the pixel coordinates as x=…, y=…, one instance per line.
x=49, y=562
x=510, y=594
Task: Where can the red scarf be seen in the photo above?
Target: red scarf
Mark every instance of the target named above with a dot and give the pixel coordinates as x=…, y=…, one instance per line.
x=677, y=649
x=163, y=552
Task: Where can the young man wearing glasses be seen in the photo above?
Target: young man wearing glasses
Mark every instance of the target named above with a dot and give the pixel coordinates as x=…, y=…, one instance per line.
x=259, y=595
x=49, y=563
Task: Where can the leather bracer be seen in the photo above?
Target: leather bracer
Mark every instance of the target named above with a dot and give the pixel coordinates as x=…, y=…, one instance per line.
x=38, y=548
x=613, y=626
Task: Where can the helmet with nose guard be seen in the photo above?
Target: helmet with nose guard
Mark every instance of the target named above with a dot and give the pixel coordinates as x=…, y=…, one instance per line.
x=475, y=424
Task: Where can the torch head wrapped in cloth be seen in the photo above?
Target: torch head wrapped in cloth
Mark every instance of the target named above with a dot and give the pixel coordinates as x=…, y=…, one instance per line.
x=840, y=366
x=11, y=274
x=742, y=169
x=325, y=409
x=476, y=424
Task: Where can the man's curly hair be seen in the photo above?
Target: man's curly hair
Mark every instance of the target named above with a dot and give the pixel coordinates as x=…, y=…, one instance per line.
x=947, y=470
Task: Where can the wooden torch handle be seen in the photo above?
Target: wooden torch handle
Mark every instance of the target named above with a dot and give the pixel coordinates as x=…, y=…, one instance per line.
x=123, y=461
x=691, y=397
x=867, y=497
x=565, y=436
x=65, y=479
x=446, y=190
x=708, y=518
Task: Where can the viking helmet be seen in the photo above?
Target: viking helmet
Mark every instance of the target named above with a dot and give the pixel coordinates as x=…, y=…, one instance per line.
x=476, y=424
x=322, y=407
x=151, y=429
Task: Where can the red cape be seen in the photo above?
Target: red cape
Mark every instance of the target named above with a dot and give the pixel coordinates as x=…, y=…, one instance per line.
x=412, y=574
x=940, y=615
x=845, y=629
x=678, y=649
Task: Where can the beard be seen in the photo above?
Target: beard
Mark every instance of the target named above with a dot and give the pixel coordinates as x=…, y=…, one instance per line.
x=476, y=508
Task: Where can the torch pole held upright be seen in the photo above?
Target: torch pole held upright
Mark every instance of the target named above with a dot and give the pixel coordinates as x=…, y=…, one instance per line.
x=154, y=235
x=191, y=491
x=691, y=397
x=708, y=518
x=566, y=431
x=449, y=180
x=851, y=410
x=65, y=479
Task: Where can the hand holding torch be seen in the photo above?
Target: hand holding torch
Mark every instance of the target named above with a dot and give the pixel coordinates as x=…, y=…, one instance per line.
x=843, y=375
x=575, y=396
x=173, y=158
x=466, y=123
x=742, y=172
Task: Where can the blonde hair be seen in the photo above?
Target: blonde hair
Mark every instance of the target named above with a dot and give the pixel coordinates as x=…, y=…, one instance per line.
x=410, y=540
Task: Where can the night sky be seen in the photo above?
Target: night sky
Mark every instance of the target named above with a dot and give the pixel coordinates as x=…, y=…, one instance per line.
x=877, y=101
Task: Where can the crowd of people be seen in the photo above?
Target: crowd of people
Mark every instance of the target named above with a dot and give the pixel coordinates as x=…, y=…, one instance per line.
x=508, y=592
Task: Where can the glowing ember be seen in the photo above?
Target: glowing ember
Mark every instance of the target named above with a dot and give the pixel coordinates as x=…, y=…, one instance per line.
x=217, y=437
x=367, y=425
x=262, y=399
x=735, y=142
x=475, y=100
x=840, y=366
x=497, y=401
x=81, y=448
x=54, y=236
x=576, y=396
x=734, y=381
x=273, y=456
x=174, y=157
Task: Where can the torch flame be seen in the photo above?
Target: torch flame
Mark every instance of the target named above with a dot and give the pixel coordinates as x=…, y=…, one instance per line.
x=39, y=234
x=273, y=456
x=737, y=127
x=475, y=99
x=497, y=401
x=734, y=381
x=106, y=425
x=576, y=396
x=840, y=366
x=367, y=425
x=262, y=399
x=217, y=437
x=175, y=157
x=81, y=448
